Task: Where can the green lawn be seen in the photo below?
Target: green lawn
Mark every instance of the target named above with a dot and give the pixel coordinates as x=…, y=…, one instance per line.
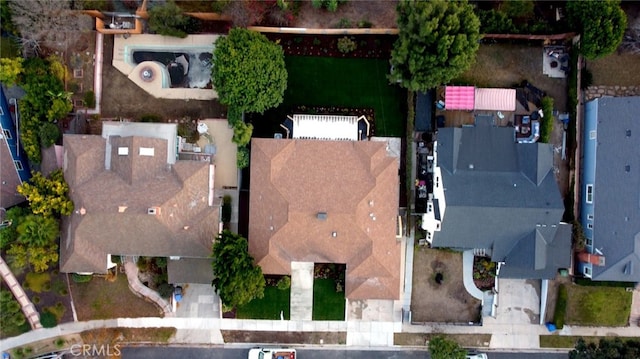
x=598, y=306
x=269, y=307
x=327, y=303
x=352, y=83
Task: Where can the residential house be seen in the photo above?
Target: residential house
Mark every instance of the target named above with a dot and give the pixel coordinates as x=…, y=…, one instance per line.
x=14, y=164
x=133, y=197
x=499, y=198
x=610, y=193
x=327, y=201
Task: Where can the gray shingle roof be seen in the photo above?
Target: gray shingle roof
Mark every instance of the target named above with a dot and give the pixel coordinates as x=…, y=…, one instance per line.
x=616, y=202
x=500, y=195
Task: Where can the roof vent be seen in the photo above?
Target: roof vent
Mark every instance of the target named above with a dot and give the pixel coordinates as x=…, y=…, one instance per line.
x=152, y=210
x=334, y=234
x=627, y=168
x=471, y=166
x=121, y=209
x=628, y=133
x=322, y=216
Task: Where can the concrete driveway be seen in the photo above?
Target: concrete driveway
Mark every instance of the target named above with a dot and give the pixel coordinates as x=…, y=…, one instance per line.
x=198, y=301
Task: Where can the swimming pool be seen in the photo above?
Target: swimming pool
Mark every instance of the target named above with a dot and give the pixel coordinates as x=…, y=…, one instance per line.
x=185, y=69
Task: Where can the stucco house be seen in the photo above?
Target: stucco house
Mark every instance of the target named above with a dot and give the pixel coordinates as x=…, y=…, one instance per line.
x=610, y=193
x=499, y=198
x=134, y=197
x=328, y=201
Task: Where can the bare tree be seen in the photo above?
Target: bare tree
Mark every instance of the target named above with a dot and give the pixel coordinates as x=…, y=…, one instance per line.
x=48, y=23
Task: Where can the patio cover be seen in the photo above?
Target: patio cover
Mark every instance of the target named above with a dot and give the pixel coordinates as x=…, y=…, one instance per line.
x=459, y=97
x=495, y=99
x=325, y=127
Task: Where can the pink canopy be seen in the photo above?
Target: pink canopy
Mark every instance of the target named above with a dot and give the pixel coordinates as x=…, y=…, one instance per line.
x=459, y=97
x=495, y=99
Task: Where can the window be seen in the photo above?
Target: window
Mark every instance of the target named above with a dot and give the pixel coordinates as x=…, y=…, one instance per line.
x=587, y=272
x=7, y=134
x=590, y=217
x=589, y=241
x=593, y=135
x=590, y=225
x=18, y=165
x=589, y=198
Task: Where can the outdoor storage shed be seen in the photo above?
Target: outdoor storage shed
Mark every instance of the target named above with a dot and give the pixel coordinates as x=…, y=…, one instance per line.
x=459, y=97
x=495, y=99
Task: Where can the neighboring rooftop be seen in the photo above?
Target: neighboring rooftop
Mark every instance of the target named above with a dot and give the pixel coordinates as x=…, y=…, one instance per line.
x=502, y=197
x=327, y=202
x=616, y=203
x=142, y=205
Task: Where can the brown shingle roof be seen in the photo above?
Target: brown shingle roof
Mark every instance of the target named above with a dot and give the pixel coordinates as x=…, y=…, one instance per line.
x=355, y=183
x=111, y=206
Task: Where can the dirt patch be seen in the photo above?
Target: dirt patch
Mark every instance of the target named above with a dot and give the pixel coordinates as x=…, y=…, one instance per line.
x=240, y=336
x=616, y=70
x=380, y=13
x=447, y=301
x=122, y=98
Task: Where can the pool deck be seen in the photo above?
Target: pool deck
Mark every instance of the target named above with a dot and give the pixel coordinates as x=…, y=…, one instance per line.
x=122, y=61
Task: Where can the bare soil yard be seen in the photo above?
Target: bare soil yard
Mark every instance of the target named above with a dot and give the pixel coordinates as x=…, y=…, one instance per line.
x=616, y=70
x=448, y=301
x=239, y=336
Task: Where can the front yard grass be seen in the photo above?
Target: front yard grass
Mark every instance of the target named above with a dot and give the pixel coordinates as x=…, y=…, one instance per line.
x=598, y=306
x=569, y=341
x=269, y=307
x=328, y=304
x=102, y=299
x=347, y=82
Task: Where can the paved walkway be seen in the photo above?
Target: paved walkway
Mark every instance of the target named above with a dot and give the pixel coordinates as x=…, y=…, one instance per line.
x=301, y=290
x=27, y=306
x=137, y=287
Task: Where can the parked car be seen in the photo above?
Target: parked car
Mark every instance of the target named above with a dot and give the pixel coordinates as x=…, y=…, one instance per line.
x=476, y=356
x=272, y=353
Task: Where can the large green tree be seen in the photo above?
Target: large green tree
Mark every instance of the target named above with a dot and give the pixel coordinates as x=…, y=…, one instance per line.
x=442, y=348
x=11, y=316
x=437, y=41
x=248, y=71
x=601, y=24
x=237, y=279
x=606, y=349
x=47, y=196
x=36, y=243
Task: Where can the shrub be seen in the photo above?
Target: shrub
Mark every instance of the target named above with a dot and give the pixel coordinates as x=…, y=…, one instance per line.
x=226, y=209
x=150, y=117
x=284, y=283
x=59, y=343
x=234, y=115
x=346, y=45
x=561, y=307
x=49, y=134
x=586, y=78
x=35, y=299
x=81, y=278
x=242, y=133
x=316, y=41
x=89, y=99
x=168, y=20
x=495, y=22
x=165, y=290
x=344, y=23
x=189, y=131
x=242, y=159
x=546, y=127
x=48, y=320
x=365, y=24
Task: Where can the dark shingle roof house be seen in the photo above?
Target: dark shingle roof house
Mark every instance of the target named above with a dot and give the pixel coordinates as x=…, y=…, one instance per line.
x=327, y=202
x=610, y=190
x=132, y=197
x=501, y=198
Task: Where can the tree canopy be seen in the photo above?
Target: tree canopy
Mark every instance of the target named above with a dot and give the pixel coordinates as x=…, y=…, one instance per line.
x=169, y=20
x=248, y=71
x=47, y=196
x=437, y=41
x=606, y=349
x=11, y=315
x=601, y=24
x=442, y=348
x=36, y=243
x=237, y=279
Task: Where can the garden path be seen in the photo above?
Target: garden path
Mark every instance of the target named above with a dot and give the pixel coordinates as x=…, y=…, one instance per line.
x=27, y=306
x=137, y=287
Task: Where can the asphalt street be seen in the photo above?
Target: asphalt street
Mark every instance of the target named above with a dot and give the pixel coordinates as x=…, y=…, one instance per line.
x=236, y=353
